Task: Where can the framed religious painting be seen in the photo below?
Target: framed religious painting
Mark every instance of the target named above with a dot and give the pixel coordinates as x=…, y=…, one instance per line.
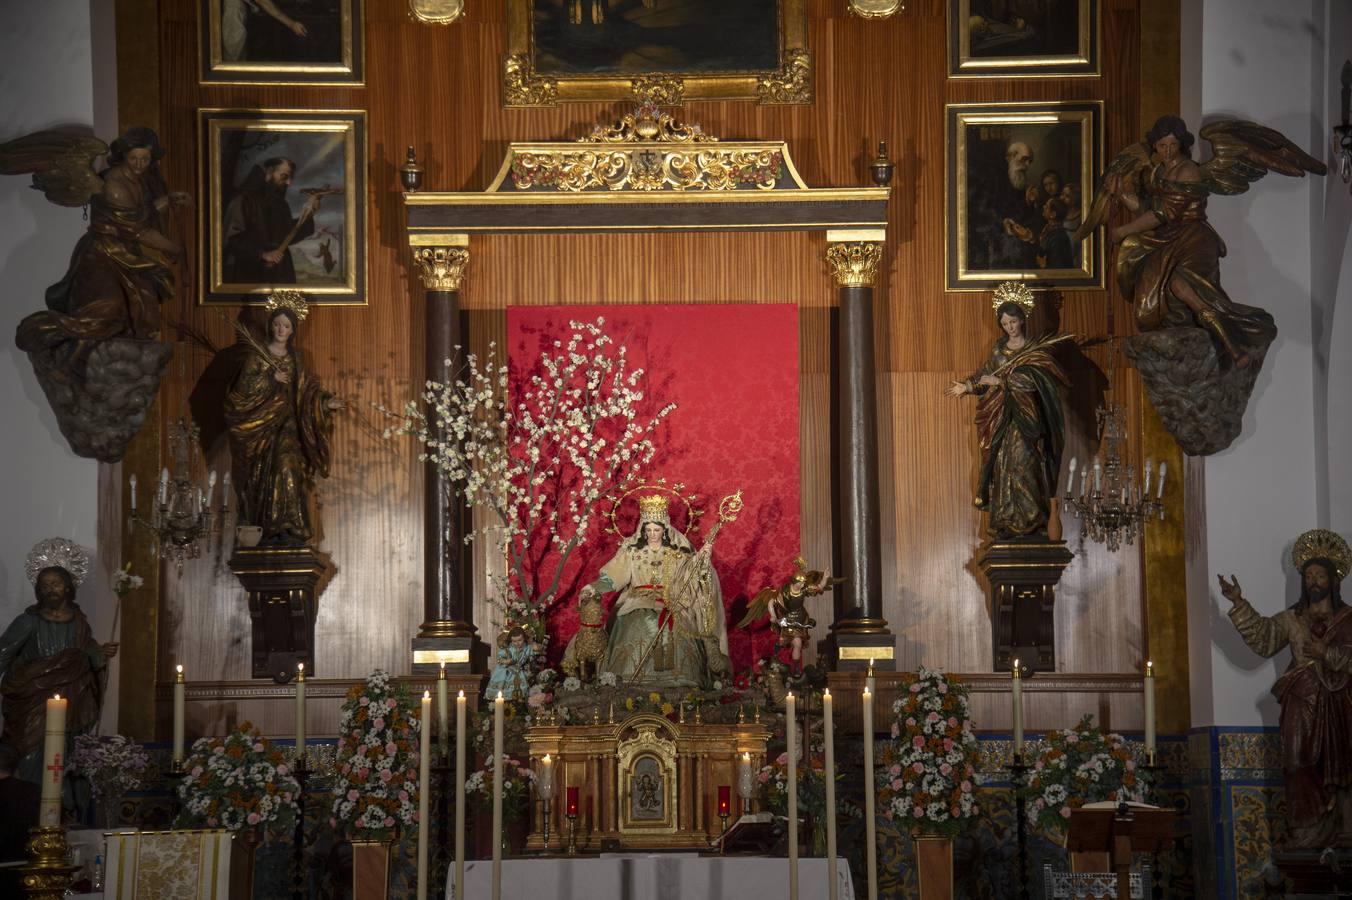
x=283, y=204
x=1023, y=38
x=664, y=53
x=1019, y=181
x=281, y=42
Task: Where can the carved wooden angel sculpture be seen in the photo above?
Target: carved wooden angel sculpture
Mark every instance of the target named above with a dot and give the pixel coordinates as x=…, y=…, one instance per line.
x=1199, y=351
x=96, y=349
x=786, y=605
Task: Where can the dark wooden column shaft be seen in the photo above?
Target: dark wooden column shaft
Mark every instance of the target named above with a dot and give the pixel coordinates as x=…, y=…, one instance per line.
x=860, y=535
x=444, y=596
x=447, y=611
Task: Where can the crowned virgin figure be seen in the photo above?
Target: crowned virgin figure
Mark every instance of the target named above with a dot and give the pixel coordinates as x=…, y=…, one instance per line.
x=668, y=628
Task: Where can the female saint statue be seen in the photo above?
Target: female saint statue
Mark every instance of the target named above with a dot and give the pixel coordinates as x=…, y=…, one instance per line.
x=1019, y=420
x=280, y=419
x=669, y=628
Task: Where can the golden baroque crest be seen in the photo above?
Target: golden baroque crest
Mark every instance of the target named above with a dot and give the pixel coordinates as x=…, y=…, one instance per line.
x=659, y=159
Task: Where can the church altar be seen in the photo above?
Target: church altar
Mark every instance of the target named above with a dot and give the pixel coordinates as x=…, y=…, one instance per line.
x=643, y=782
x=651, y=877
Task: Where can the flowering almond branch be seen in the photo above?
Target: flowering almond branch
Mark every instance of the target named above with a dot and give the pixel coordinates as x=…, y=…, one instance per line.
x=542, y=461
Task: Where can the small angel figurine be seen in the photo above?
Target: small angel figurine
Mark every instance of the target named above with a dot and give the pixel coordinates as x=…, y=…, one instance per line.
x=786, y=607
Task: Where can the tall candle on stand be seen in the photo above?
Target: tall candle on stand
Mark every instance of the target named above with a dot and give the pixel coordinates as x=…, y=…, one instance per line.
x=791, y=738
x=870, y=791
x=1016, y=683
x=460, y=796
x=53, y=761
x=829, y=735
x=424, y=788
x=498, y=706
x=1149, y=712
x=300, y=714
x=443, y=710
x=179, y=698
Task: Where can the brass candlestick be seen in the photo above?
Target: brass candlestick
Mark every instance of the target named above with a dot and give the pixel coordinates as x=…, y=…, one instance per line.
x=546, y=802
x=49, y=871
x=723, y=838
x=572, y=834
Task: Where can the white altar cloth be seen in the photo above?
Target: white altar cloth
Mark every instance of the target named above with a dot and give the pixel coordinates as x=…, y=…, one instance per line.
x=649, y=876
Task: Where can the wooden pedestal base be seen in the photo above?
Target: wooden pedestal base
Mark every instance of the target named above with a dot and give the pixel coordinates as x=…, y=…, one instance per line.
x=1023, y=577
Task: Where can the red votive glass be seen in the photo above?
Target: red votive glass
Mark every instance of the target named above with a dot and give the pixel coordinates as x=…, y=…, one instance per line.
x=572, y=801
x=724, y=800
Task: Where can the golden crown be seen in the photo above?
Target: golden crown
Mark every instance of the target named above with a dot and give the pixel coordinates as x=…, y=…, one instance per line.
x=1013, y=292
x=652, y=507
x=291, y=300
x=1321, y=543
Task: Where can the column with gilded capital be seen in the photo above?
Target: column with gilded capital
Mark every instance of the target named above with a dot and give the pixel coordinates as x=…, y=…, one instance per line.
x=447, y=633
x=859, y=632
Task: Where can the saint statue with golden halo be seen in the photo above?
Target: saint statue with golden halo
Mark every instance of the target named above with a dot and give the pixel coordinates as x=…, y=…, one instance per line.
x=1315, y=691
x=280, y=419
x=669, y=628
x=1019, y=419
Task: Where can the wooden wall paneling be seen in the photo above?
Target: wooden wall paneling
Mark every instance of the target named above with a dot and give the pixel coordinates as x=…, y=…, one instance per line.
x=439, y=90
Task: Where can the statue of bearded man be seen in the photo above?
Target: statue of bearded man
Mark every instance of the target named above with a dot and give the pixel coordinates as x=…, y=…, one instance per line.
x=49, y=649
x=1315, y=691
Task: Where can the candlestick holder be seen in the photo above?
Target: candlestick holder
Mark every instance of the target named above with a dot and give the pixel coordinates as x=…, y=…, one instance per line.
x=1018, y=770
x=302, y=774
x=174, y=774
x=723, y=837
x=546, y=803
x=572, y=834
x=48, y=872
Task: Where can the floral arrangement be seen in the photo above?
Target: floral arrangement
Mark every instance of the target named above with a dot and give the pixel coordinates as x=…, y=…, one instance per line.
x=516, y=786
x=114, y=764
x=542, y=462
x=1079, y=765
x=376, y=785
x=926, y=776
x=774, y=785
x=239, y=782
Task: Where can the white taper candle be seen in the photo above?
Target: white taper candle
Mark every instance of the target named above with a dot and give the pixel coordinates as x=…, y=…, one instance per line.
x=829, y=775
x=424, y=788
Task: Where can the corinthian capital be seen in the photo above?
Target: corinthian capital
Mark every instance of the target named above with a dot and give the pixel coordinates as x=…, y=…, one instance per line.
x=441, y=268
x=854, y=263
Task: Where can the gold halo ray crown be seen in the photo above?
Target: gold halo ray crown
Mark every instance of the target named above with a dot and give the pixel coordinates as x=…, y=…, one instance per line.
x=656, y=503
x=291, y=300
x=1013, y=292
x=1320, y=542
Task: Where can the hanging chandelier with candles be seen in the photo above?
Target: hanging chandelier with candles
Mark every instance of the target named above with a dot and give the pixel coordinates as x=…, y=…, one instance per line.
x=181, y=518
x=1113, y=508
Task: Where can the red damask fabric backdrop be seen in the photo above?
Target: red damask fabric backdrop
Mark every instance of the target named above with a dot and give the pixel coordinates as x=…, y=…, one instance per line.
x=732, y=371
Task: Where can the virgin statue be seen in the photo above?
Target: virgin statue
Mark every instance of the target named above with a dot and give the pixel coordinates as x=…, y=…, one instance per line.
x=669, y=628
x=280, y=419
x=1019, y=420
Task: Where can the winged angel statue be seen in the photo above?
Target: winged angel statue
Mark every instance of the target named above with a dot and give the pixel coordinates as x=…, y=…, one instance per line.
x=96, y=348
x=1198, y=351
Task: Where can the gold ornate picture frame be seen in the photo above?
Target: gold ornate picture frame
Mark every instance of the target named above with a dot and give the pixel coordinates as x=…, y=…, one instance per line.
x=561, y=51
x=1043, y=38
x=281, y=42
x=1020, y=178
x=259, y=173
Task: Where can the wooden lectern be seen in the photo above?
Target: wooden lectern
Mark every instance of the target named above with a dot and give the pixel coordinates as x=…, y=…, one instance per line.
x=1128, y=829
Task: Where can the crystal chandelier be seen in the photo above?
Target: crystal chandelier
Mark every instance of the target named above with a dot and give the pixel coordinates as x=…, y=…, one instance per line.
x=1113, y=508
x=181, y=515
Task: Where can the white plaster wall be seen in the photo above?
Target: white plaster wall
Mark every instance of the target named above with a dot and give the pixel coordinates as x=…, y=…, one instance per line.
x=1267, y=62
x=46, y=80
x=1334, y=280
